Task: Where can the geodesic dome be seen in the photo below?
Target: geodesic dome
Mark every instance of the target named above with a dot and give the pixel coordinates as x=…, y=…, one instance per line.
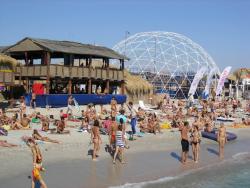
x=168, y=60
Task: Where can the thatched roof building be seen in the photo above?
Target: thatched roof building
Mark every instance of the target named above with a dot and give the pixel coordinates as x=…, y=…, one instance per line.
x=56, y=48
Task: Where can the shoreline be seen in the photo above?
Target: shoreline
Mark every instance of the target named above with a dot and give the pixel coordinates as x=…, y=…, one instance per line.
x=68, y=164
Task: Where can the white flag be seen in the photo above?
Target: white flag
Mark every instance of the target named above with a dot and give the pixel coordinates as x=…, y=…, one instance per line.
x=196, y=80
x=222, y=79
x=209, y=81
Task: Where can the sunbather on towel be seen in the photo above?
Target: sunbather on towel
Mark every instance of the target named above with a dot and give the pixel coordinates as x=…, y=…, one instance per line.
x=37, y=136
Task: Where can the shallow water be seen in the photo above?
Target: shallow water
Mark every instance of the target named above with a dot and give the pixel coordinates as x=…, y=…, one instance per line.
x=230, y=174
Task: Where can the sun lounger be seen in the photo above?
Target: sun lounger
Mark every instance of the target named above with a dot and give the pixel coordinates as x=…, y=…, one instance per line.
x=141, y=104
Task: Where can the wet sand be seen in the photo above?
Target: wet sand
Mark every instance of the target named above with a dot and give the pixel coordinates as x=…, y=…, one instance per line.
x=150, y=158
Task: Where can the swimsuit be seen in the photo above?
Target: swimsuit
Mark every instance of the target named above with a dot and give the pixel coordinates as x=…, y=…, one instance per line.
x=185, y=145
x=119, y=141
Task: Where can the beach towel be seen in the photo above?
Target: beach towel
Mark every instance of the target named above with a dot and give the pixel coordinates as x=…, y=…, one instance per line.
x=166, y=125
x=3, y=132
x=141, y=104
x=76, y=105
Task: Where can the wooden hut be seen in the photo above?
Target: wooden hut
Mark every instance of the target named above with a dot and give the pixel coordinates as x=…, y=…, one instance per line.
x=40, y=58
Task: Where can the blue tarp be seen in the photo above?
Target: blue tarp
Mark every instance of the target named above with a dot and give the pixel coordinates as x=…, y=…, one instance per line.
x=60, y=100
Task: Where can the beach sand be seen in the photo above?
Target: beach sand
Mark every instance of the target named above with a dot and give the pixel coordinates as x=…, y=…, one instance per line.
x=68, y=164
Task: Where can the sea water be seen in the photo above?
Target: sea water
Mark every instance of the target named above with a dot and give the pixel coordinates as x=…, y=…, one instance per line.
x=234, y=173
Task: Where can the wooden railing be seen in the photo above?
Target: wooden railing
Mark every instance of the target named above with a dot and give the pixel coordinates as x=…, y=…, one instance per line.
x=69, y=72
x=7, y=77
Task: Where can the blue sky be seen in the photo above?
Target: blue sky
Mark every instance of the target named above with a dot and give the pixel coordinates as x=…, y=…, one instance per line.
x=221, y=27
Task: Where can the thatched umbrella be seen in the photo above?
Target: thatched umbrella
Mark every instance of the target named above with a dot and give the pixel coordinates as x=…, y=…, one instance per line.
x=136, y=84
x=7, y=63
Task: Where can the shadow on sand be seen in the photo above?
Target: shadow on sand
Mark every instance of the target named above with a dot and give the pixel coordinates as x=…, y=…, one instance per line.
x=213, y=151
x=175, y=156
x=178, y=157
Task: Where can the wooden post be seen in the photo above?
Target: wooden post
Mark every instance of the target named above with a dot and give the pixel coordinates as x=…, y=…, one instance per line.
x=89, y=86
x=70, y=87
x=123, y=88
x=107, y=87
x=27, y=84
x=20, y=75
x=47, y=60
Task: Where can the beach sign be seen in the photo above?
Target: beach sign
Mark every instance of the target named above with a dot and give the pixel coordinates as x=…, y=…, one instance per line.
x=208, y=83
x=198, y=76
x=222, y=79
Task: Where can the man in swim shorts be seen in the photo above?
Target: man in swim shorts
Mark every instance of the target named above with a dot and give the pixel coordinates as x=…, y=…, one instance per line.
x=184, y=129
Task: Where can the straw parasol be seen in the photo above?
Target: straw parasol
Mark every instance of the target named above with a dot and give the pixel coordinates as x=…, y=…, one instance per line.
x=136, y=84
x=7, y=63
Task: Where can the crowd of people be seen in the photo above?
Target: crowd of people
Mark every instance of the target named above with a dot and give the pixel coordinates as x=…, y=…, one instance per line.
x=124, y=122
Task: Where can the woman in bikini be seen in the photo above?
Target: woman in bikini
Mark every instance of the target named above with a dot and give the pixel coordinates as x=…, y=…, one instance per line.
x=195, y=141
x=96, y=138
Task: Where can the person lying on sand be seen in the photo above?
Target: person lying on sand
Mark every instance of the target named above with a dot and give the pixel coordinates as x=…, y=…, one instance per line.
x=4, y=143
x=37, y=136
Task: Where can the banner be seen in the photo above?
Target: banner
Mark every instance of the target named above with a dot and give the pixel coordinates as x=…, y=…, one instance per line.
x=196, y=80
x=222, y=79
x=208, y=83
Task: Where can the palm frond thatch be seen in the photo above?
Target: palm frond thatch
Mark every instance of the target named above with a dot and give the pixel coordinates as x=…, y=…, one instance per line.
x=136, y=84
x=7, y=62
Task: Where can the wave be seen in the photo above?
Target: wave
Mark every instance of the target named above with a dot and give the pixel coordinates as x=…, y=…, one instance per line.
x=241, y=156
x=141, y=184
x=237, y=158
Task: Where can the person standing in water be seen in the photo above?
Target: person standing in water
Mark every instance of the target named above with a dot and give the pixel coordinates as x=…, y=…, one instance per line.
x=96, y=139
x=120, y=142
x=195, y=141
x=184, y=129
x=222, y=139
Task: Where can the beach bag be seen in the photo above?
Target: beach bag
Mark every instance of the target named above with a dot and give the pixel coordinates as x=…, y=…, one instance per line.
x=3, y=132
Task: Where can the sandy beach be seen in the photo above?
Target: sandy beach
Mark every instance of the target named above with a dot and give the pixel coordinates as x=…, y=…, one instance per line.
x=68, y=164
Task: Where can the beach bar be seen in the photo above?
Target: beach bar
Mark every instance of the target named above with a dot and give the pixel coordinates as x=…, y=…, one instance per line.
x=62, y=68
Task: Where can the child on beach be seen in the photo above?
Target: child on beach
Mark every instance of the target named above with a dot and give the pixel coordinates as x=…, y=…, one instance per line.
x=37, y=163
x=120, y=142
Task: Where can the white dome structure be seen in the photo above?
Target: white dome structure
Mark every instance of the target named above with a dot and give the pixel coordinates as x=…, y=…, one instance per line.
x=168, y=60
